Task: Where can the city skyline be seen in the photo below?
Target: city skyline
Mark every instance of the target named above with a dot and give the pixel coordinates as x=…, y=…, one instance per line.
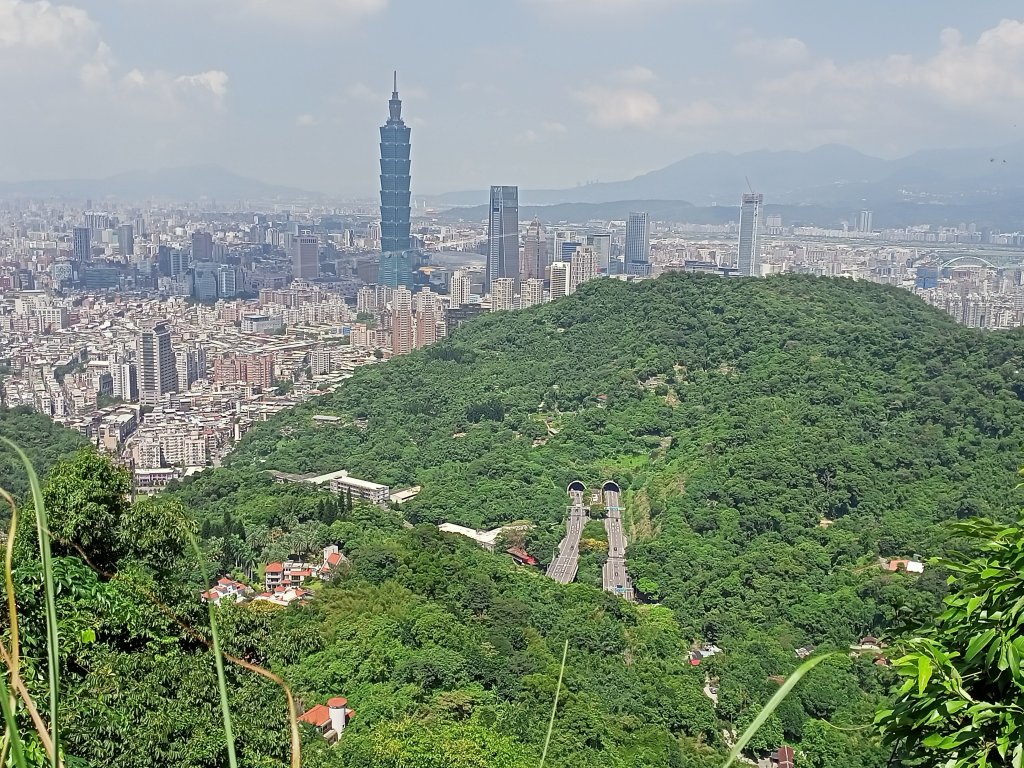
x=753, y=78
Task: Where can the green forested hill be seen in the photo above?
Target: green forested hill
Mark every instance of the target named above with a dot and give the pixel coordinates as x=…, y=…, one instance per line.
x=44, y=441
x=775, y=438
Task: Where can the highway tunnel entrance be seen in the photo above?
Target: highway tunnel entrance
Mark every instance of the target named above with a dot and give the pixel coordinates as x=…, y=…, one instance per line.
x=577, y=486
x=611, y=485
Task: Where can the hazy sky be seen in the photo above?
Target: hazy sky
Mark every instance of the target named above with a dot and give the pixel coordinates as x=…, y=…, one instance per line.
x=532, y=92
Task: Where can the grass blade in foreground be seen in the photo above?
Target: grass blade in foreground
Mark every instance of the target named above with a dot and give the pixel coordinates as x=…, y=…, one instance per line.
x=222, y=683
x=554, y=707
x=772, y=705
x=13, y=736
x=52, y=638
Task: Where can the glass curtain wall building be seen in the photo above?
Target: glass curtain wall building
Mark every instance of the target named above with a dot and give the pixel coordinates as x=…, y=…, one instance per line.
x=396, y=259
x=749, y=261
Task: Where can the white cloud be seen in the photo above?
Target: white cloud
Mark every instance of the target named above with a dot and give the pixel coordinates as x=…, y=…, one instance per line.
x=305, y=121
x=987, y=73
x=619, y=107
x=213, y=80
x=41, y=24
x=553, y=127
x=54, y=61
x=785, y=50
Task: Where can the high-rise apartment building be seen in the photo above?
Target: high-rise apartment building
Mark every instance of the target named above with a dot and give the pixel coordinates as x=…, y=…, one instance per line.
x=306, y=256
x=601, y=242
x=395, y=185
x=638, y=245
x=126, y=240
x=229, y=282
x=503, y=235
x=255, y=369
x=864, y=222
x=81, y=244
x=749, y=260
x=535, y=252
x=428, y=317
x=460, y=288
x=186, y=365
x=503, y=292
x=158, y=373
x=532, y=293
x=125, y=377
x=560, y=271
x=402, y=335
x=202, y=246
x=582, y=267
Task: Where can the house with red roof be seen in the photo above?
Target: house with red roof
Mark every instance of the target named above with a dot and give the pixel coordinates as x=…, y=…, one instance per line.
x=330, y=719
x=295, y=570
x=783, y=757
x=227, y=589
x=521, y=556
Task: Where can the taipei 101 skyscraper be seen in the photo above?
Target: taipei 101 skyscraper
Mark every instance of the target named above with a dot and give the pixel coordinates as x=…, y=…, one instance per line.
x=395, y=243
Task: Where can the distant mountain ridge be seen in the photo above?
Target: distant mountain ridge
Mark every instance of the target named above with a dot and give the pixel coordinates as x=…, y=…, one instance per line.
x=828, y=175
x=188, y=183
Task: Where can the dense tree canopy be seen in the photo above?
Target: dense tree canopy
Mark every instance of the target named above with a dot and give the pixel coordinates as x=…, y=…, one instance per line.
x=43, y=441
x=776, y=441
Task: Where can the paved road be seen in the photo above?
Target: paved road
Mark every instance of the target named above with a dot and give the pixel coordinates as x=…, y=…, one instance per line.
x=614, y=574
x=563, y=568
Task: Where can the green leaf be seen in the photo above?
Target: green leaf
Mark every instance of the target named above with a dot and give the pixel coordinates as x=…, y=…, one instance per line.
x=978, y=643
x=772, y=705
x=89, y=635
x=924, y=673
x=973, y=603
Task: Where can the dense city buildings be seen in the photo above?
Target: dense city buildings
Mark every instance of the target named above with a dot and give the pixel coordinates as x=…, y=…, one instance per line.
x=749, y=261
x=395, y=184
x=638, y=245
x=503, y=234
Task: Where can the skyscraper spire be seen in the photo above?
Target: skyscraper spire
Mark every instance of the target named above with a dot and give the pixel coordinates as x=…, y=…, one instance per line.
x=395, y=105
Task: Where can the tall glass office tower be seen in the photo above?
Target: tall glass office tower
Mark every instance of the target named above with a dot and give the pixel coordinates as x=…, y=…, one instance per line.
x=749, y=260
x=637, y=256
x=503, y=234
x=395, y=244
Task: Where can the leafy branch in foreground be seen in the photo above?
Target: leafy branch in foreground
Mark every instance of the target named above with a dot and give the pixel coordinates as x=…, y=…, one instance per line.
x=960, y=704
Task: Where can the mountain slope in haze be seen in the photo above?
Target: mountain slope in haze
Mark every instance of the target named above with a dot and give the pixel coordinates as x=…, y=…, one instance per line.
x=831, y=174
x=175, y=184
